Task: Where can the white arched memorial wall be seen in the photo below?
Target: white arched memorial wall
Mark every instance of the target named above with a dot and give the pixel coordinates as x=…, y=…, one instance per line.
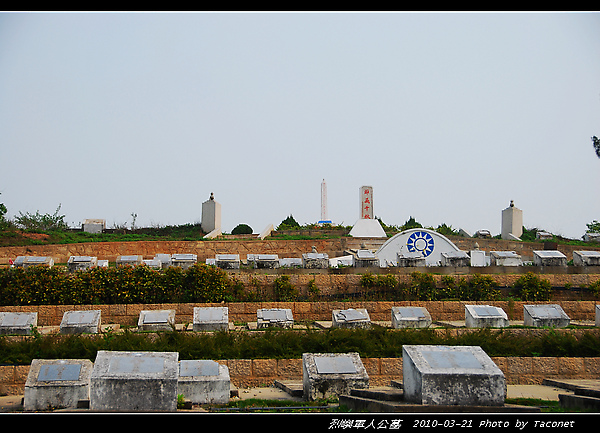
x=426, y=242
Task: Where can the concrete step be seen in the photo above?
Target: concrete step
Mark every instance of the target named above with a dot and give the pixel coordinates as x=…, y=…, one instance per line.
x=387, y=393
x=571, y=401
x=293, y=388
x=356, y=403
x=585, y=387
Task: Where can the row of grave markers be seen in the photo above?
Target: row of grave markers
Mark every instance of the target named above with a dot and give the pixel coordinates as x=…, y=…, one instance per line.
x=121, y=381
x=217, y=318
x=314, y=260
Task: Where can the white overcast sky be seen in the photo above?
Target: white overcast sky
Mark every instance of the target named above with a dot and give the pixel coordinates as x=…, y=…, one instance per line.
x=448, y=116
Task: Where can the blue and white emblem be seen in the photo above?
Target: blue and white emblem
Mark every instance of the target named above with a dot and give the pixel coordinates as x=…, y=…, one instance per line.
x=420, y=242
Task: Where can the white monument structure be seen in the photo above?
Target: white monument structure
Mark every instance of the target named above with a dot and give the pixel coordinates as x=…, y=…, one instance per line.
x=426, y=243
x=367, y=226
x=211, y=215
x=324, y=219
x=512, y=223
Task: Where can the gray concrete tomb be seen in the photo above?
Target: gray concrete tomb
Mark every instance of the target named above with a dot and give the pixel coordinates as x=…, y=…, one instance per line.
x=134, y=381
x=17, y=323
x=351, y=318
x=332, y=374
x=549, y=258
x=485, y=316
x=78, y=322
x=551, y=315
x=57, y=383
x=451, y=375
x=279, y=317
x=410, y=317
x=156, y=320
x=204, y=381
x=211, y=319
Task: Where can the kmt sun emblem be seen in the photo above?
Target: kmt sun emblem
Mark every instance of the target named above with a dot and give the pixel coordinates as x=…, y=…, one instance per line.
x=421, y=242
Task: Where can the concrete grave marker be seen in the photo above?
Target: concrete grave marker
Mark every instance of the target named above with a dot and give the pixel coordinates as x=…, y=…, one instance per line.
x=549, y=258
x=263, y=261
x=455, y=258
x=156, y=320
x=451, y=375
x=315, y=260
x=586, y=258
x=505, y=258
x=332, y=374
x=351, y=318
x=211, y=319
x=551, y=315
x=57, y=383
x=410, y=317
x=183, y=261
x=478, y=258
x=81, y=263
x=485, y=316
x=512, y=222
x=280, y=317
x=133, y=260
x=134, y=381
x=203, y=381
x=27, y=261
x=408, y=259
x=17, y=323
x=78, y=322
x=365, y=258
x=164, y=259
x=228, y=261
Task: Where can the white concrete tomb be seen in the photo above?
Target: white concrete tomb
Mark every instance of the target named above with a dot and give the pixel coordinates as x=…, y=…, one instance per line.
x=351, y=318
x=211, y=319
x=17, y=323
x=78, y=322
x=156, y=320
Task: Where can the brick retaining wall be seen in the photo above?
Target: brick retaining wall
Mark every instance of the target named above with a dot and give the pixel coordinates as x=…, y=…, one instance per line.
x=263, y=372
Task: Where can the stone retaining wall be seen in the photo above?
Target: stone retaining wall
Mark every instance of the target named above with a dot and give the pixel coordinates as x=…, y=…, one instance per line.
x=263, y=372
x=128, y=314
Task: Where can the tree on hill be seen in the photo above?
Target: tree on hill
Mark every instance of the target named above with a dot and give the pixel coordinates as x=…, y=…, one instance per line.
x=242, y=229
x=288, y=224
x=596, y=143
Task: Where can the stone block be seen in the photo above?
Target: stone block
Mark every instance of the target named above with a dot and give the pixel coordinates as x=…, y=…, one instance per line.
x=156, y=320
x=184, y=261
x=81, y=263
x=57, y=383
x=505, y=258
x=485, y=316
x=410, y=317
x=451, y=375
x=586, y=258
x=279, y=317
x=351, y=318
x=211, y=319
x=455, y=258
x=203, y=382
x=79, y=322
x=551, y=315
x=132, y=260
x=478, y=258
x=28, y=261
x=332, y=374
x=263, y=261
x=549, y=258
x=17, y=323
x=315, y=261
x=410, y=260
x=227, y=261
x=365, y=259
x=134, y=382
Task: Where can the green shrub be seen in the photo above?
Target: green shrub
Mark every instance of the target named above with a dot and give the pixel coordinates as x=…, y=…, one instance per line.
x=530, y=287
x=242, y=229
x=284, y=290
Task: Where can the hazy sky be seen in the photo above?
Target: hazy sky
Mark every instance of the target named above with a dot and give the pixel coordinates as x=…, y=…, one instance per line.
x=448, y=116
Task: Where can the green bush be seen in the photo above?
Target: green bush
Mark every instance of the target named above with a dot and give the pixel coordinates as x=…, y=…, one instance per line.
x=284, y=290
x=530, y=287
x=242, y=229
